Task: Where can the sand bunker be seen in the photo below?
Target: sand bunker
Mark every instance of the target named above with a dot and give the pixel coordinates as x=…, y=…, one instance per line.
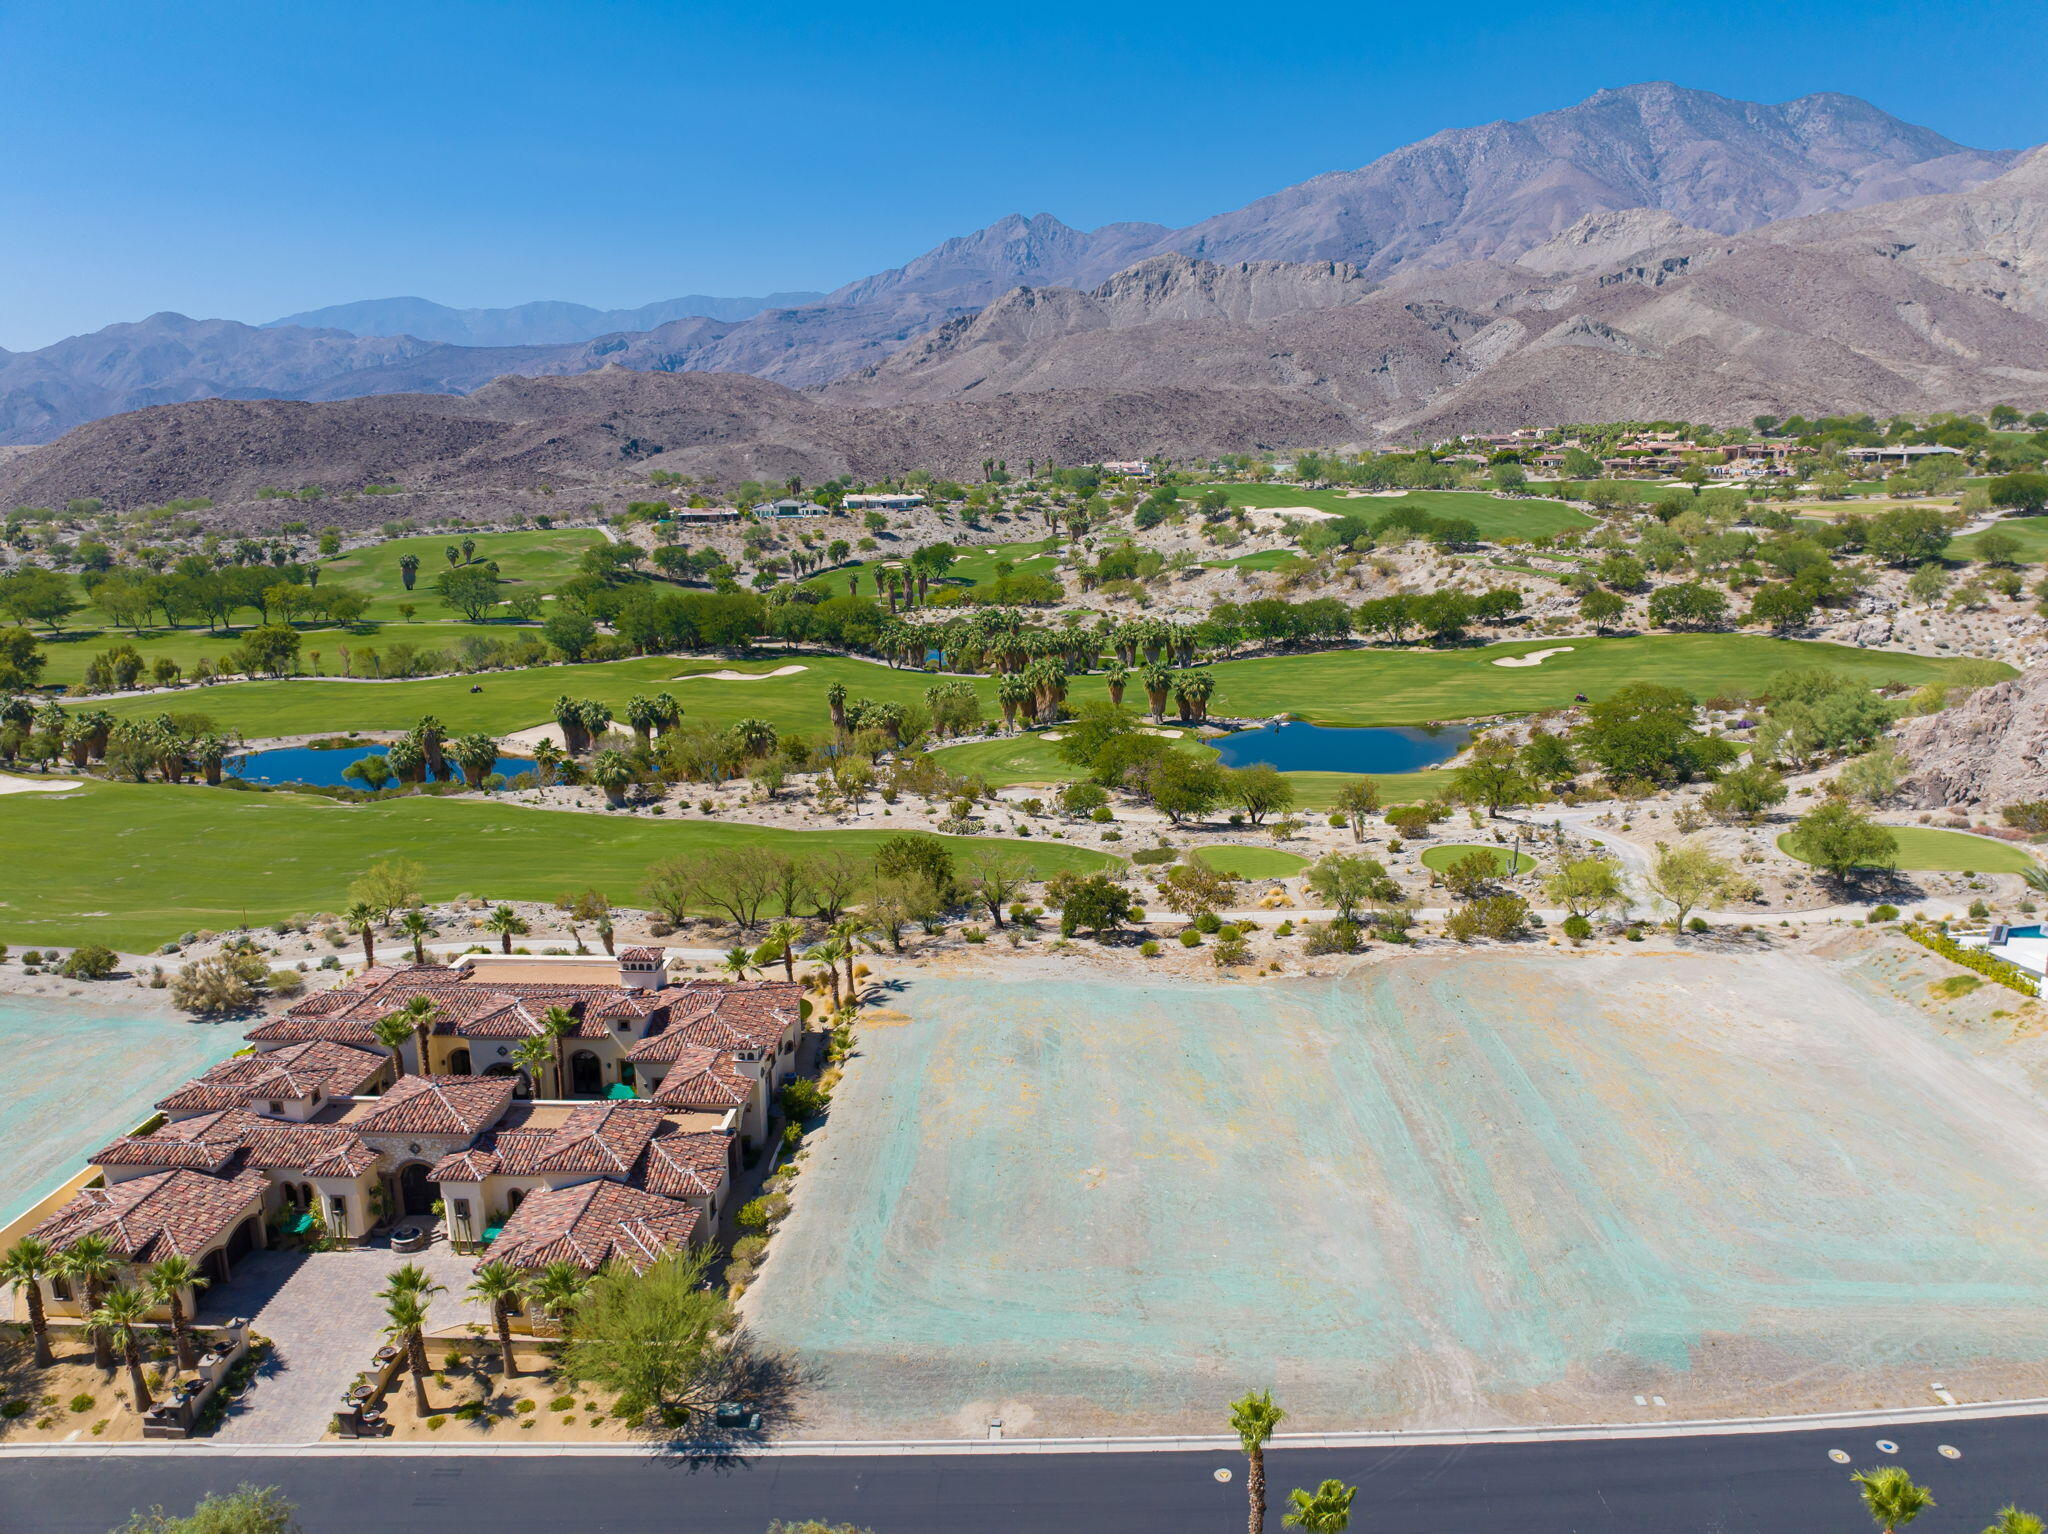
x=30, y=786
x=1282, y=513
x=1534, y=657
x=740, y=676
x=522, y=742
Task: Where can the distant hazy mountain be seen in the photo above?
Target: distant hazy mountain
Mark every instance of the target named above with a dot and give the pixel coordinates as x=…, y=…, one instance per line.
x=536, y=324
x=1504, y=209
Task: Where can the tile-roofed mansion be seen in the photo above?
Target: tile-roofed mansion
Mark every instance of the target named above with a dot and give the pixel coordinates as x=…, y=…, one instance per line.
x=666, y=1084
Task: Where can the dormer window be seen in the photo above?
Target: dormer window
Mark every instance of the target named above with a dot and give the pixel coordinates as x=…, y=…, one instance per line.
x=276, y=1108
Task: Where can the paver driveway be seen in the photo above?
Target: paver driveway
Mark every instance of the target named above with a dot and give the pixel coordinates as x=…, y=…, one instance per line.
x=321, y=1312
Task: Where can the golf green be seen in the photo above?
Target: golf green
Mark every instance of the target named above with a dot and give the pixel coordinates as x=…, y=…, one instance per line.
x=1437, y=859
x=538, y=560
x=135, y=865
x=1253, y=862
x=1923, y=849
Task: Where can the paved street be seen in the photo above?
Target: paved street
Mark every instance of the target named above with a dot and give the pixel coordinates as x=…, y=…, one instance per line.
x=1783, y=1483
x=322, y=1312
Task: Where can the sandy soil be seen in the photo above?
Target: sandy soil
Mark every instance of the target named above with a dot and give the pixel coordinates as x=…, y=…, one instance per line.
x=740, y=676
x=473, y=1377
x=110, y=1417
x=1455, y=1191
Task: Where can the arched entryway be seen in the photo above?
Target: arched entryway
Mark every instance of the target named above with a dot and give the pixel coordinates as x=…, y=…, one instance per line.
x=585, y=1079
x=458, y=1062
x=415, y=1193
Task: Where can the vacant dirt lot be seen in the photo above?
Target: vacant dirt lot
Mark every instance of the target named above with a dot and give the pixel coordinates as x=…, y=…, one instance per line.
x=1468, y=1190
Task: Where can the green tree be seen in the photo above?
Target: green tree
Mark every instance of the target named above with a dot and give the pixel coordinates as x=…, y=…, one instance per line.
x=1600, y=607
x=1997, y=547
x=1356, y=799
x=1688, y=875
x=663, y=1341
x=1326, y=1510
x=1907, y=535
x=1344, y=881
x=1745, y=793
x=167, y=1281
x=1253, y=1418
x=1184, y=787
x=25, y=1267
x=1687, y=606
x=1492, y=777
x=1890, y=1497
x=571, y=634
x=1193, y=888
x=2024, y=491
x=1642, y=731
x=471, y=590
x=1838, y=838
x=1259, y=790
x=500, y=1286
x=1587, y=886
x=1090, y=903
x=245, y=1510
x=269, y=649
x=1784, y=607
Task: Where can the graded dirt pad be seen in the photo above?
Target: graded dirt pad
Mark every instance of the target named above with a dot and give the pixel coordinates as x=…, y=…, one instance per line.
x=1435, y=1192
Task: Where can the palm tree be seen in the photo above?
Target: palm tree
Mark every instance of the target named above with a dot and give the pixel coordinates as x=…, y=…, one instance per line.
x=531, y=1055
x=740, y=961
x=430, y=733
x=781, y=944
x=507, y=923
x=498, y=1284
x=1328, y=1511
x=643, y=716
x=166, y=1282
x=392, y=1030
x=610, y=771
x=25, y=1268
x=407, y=1325
x=2012, y=1520
x=422, y=1014
x=1253, y=1420
x=1891, y=1498
x=558, y=1289
x=415, y=925
x=476, y=754
x=827, y=953
x=2036, y=877
x=90, y=1263
x=557, y=1023
x=847, y=932
x=115, y=1320
x=361, y=918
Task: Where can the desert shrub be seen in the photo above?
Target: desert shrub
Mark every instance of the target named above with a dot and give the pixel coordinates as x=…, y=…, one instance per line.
x=92, y=962
x=1884, y=913
x=2032, y=816
x=1149, y=949
x=1577, y=928
x=1333, y=937
x=81, y=1402
x=1499, y=917
x=210, y=986
x=1190, y=938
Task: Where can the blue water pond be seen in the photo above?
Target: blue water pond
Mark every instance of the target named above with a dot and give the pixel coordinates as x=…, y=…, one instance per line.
x=303, y=764
x=1297, y=747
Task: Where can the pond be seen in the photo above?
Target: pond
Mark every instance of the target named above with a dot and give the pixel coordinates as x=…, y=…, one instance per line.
x=1298, y=747
x=303, y=764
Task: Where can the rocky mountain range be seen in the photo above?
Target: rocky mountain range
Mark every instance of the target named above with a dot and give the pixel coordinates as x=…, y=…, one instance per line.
x=1648, y=251
x=538, y=324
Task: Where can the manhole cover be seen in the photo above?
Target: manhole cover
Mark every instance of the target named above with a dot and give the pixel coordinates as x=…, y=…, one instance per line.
x=1839, y=1456
x=1223, y=1475
x=1949, y=1451
x=1886, y=1446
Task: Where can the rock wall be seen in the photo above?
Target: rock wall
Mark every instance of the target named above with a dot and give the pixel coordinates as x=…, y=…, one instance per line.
x=1988, y=751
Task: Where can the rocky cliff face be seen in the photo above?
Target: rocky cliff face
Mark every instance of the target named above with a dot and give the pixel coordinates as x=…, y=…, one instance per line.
x=1988, y=751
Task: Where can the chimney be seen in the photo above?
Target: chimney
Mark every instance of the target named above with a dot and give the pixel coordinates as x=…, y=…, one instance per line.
x=640, y=969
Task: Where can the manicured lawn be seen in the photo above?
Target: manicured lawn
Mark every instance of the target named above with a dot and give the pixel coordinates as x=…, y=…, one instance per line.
x=1265, y=559
x=1253, y=862
x=540, y=559
x=975, y=565
x=135, y=865
x=1340, y=687
x=2030, y=533
x=510, y=700
x=1923, y=849
x=69, y=653
x=1366, y=687
x=1495, y=516
x=1437, y=859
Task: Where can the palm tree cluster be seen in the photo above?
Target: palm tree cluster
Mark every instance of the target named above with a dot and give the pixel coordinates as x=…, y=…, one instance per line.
x=116, y=1314
x=583, y=722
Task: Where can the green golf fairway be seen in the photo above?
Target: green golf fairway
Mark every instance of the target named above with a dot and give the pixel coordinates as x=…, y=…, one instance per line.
x=135, y=865
x=1922, y=849
x=320, y=645
x=542, y=560
x=1339, y=687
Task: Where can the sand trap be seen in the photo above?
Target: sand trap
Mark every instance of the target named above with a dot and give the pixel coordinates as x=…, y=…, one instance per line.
x=1282, y=513
x=740, y=676
x=31, y=786
x=1167, y=734
x=1534, y=657
x=522, y=742
x=1051, y=735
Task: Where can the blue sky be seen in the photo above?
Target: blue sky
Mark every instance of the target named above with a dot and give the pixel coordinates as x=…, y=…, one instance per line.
x=250, y=160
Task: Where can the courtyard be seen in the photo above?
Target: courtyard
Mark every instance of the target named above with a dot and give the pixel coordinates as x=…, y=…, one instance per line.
x=1496, y=1188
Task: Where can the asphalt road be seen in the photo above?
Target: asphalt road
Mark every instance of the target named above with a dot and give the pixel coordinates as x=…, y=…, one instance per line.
x=1714, y=1484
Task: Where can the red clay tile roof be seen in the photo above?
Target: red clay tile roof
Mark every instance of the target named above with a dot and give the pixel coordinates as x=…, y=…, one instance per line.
x=203, y=1142
x=734, y=1015
x=642, y=955
x=592, y=1224
x=606, y=1138
x=439, y=1105
x=692, y=1164
x=704, y=1078
x=293, y=1073
x=317, y=1150
x=178, y=1213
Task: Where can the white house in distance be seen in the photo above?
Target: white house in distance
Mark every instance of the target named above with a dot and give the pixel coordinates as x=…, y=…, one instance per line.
x=1136, y=468
x=880, y=501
